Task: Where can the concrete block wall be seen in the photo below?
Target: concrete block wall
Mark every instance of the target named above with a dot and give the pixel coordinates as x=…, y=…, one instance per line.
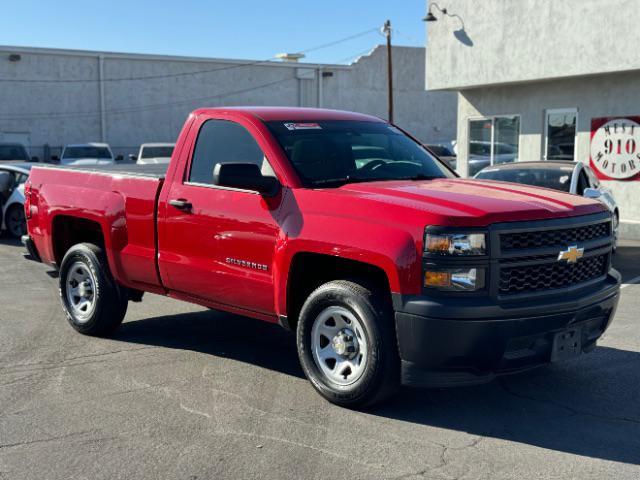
x=73, y=105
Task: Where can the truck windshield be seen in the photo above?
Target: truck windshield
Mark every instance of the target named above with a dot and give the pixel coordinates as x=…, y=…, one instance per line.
x=86, y=152
x=328, y=153
x=156, y=152
x=13, y=152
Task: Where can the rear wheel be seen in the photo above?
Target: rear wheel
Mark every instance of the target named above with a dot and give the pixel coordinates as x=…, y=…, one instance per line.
x=15, y=221
x=92, y=300
x=347, y=344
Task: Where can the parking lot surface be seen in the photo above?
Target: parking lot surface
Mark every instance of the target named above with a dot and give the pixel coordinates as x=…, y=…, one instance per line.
x=182, y=392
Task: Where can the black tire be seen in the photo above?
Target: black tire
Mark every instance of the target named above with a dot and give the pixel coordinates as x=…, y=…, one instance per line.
x=16, y=221
x=380, y=376
x=108, y=299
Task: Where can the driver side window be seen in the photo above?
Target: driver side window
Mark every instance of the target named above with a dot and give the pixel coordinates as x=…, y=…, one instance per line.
x=222, y=141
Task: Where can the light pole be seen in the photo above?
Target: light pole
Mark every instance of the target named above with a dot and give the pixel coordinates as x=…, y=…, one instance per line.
x=387, y=31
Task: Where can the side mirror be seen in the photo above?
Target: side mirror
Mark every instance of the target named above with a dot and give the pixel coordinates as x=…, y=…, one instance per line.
x=246, y=176
x=119, y=158
x=55, y=158
x=133, y=157
x=35, y=159
x=592, y=193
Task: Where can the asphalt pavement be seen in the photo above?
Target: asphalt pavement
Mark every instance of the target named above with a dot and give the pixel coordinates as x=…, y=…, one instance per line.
x=182, y=392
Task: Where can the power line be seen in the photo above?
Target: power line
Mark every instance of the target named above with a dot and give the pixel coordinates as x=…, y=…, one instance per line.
x=126, y=79
x=140, y=108
x=182, y=74
x=342, y=40
x=411, y=38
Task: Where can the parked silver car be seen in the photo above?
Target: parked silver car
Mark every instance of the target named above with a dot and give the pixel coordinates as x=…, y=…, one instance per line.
x=153, y=153
x=567, y=176
x=444, y=153
x=12, y=180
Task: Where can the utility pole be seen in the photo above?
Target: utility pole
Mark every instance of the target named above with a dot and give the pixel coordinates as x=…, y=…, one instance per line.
x=387, y=31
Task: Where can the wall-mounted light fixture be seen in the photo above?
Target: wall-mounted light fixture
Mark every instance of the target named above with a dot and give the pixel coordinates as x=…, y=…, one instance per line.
x=430, y=16
x=15, y=57
x=460, y=34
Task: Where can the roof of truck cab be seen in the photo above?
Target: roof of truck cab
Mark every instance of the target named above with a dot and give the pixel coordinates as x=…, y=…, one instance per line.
x=292, y=113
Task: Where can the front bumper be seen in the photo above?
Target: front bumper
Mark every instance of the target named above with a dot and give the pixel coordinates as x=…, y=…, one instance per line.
x=457, y=341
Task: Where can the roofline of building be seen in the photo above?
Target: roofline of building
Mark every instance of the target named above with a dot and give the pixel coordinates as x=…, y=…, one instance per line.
x=461, y=88
x=167, y=58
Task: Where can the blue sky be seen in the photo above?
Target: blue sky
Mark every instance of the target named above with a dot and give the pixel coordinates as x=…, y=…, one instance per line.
x=247, y=29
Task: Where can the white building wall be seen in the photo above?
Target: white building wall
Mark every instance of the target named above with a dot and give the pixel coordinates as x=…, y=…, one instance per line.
x=485, y=42
x=153, y=108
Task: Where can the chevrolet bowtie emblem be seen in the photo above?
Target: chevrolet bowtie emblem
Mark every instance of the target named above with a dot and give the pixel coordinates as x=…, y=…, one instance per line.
x=571, y=254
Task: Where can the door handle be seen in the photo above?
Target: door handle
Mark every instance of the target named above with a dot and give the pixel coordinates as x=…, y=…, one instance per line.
x=180, y=204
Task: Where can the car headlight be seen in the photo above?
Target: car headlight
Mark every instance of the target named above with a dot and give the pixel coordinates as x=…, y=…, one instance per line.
x=455, y=243
x=455, y=279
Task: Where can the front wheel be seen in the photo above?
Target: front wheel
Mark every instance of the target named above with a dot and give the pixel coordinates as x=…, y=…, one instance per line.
x=91, y=298
x=347, y=344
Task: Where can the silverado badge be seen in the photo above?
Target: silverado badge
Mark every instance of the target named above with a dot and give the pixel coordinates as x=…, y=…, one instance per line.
x=571, y=254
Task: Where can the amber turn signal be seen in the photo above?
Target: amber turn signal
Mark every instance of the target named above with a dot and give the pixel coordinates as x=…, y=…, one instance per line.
x=437, y=279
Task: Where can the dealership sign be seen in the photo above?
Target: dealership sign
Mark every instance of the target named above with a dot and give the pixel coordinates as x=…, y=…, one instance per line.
x=615, y=147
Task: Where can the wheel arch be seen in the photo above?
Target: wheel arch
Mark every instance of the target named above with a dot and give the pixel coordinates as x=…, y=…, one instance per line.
x=69, y=230
x=308, y=270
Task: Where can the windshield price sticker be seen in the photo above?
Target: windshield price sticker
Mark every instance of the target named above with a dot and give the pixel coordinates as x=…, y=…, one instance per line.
x=302, y=126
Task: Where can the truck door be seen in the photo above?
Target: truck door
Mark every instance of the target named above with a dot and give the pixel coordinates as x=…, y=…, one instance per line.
x=217, y=243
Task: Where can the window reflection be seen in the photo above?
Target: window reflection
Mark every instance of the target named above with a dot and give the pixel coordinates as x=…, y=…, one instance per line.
x=493, y=141
x=561, y=135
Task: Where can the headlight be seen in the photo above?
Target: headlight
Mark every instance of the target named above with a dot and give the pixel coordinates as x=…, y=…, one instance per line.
x=455, y=279
x=455, y=243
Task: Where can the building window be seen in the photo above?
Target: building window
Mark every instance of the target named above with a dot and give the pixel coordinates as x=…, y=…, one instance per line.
x=493, y=140
x=560, y=134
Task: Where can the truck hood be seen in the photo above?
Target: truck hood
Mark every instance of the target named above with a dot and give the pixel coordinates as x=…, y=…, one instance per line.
x=474, y=202
x=87, y=161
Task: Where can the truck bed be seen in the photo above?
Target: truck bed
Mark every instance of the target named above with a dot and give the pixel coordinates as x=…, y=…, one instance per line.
x=119, y=200
x=128, y=169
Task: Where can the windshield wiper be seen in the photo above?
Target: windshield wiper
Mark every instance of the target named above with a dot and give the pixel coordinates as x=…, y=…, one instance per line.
x=356, y=179
x=345, y=179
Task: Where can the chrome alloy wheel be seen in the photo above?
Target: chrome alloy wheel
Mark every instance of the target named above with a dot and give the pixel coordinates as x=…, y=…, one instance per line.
x=338, y=345
x=80, y=291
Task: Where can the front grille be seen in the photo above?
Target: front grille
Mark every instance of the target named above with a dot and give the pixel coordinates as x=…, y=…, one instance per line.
x=548, y=276
x=554, y=238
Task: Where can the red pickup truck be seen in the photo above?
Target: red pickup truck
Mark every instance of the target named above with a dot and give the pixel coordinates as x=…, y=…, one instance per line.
x=342, y=227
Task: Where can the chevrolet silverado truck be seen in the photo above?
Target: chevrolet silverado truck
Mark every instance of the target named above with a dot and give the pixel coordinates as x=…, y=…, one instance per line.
x=343, y=228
